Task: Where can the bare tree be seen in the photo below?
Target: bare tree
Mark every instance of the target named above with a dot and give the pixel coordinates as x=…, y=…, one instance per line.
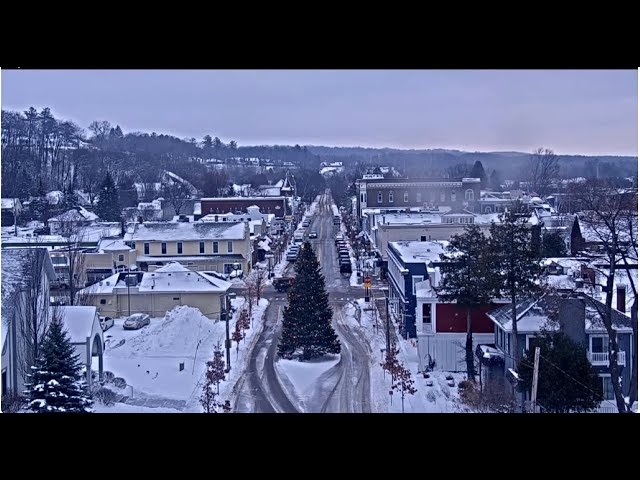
x=255, y=283
x=72, y=233
x=543, y=168
x=610, y=217
x=177, y=194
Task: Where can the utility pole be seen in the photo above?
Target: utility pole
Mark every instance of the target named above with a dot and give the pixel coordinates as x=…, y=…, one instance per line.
x=227, y=342
x=386, y=304
x=534, y=387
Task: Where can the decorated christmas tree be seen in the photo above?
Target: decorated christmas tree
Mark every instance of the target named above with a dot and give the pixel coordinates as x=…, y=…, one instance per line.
x=306, y=325
x=56, y=384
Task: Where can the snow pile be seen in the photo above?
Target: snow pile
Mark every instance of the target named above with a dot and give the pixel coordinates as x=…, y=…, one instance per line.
x=300, y=378
x=179, y=332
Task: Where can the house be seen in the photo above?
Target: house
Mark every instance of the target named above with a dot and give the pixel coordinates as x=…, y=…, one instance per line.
x=26, y=275
x=110, y=256
x=11, y=210
x=394, y=193
x=407, y=267
x=573, y=314
x=204, y=246
x=259, y=223
x=441, y=327
x=273, y=205
x=155, y=293
x=82, y=324
x=72, y=221
x=88, y=236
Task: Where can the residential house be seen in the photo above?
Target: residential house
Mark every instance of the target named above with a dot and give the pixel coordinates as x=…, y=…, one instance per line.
x=82, y=324
x=203, y=246
x=394, y=193
x=407, y=267
x=11, y=209
x=573, y=314
x=158, y=292
x=72, y=222
x=26, y=274
x=441, y=327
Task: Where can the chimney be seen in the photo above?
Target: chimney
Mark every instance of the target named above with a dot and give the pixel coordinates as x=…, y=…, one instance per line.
x=621, y=295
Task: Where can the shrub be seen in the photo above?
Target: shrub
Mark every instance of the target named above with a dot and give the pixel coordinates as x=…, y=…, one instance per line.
x=105, y=396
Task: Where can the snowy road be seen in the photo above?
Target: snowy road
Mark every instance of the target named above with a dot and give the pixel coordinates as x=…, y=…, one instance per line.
x=346, y=386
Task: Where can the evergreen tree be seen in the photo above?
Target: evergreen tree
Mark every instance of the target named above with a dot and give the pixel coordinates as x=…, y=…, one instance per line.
x=108, y=207
x=306, y=325
x=515, y=265
x=477, y=171
x=467, y=279
x=57, y=384
x=567, y=382
x=495, y=181
x=118, y=132
x=70, y=200
x=553, y=245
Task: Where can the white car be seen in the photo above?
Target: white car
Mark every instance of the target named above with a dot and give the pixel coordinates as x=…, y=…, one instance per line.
x=106, y=323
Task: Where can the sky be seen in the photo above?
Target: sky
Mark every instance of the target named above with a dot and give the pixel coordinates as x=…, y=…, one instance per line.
x=589, y=112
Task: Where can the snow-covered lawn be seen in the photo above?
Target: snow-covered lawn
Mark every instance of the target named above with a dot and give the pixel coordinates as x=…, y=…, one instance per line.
x=300, y=378
x=124, y=408
x=149, y=359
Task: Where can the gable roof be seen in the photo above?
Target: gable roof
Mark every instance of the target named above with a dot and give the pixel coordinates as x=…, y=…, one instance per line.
x=77, y=214
x=78, y=321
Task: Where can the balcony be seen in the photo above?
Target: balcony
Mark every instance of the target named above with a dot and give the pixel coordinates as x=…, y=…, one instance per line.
x=602, y=358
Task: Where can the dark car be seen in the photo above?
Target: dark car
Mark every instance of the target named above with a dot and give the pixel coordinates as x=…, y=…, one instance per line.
x=282, y=284
x=313, y=234
x=345, y=268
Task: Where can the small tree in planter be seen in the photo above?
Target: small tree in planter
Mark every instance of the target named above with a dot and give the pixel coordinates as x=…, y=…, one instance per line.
x=400, y=376
x=214, y=375
x=237, y=335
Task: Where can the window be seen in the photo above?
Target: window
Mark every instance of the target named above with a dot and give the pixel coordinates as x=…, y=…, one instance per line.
x=201, y=247
x=416, y=279
x=229, y=246
x=379, y=197
x=103, y=301
x=453, y=196
x=607, y=387
x=426, y=313
x=215, y=247
x=163, y=247
x=390, y=197
x=406, y=197
x=419, y=197
x=121, y=258
x=362, y=198
x=423, y=238
x=599, y=344
x=133, y=245
x=179, y=248
x=468, y=194
x=531, y=342
x=146, y=248
x=176, y=299
x=228, y=268
x=443, y=197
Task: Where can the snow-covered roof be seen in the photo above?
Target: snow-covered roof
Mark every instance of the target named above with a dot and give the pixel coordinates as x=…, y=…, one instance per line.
x=173, y=267
x=181, y=281
x=163, y=231
x=412, y=252
x=269, y=190
x=104, y=286
x=112, y=245
x=264, y=246
x=153, y=205
x=227, y=199
x=8, y=203
x=489, y=352
x=78, y=214
x=78, y=321
x=55, y=197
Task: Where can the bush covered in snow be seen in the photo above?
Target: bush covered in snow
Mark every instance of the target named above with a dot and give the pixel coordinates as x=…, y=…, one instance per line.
x=119, y=382
x=105, y=396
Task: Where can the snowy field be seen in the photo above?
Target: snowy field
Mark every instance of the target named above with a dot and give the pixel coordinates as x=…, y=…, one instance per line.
x=149, y=359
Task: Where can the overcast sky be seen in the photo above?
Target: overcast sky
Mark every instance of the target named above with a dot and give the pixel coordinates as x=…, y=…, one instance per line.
x=570, y=111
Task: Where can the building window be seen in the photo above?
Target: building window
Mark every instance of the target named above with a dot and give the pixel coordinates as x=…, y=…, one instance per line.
x=379, y=197
x=228, y=268
x=163, y=247
x=146, y=248
x=229, y=246
x=121, y=258
x=433, y=196
x=607, y=387
x=179, y=248
x=176, y=299
x=362, y=198
x=201, y=247
x=423, y=238
x=418, y=197
x=215, y=247
x=453, y=196
x=468, y=194
x=426, y=313
x=443, y=197
x=599, y=344
x=103, y=301
x=390, y=197
x=416, y=279
x=406, y=197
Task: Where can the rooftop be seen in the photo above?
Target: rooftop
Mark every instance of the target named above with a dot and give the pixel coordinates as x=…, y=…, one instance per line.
x=412, y=252
x=162, y=231
x=78, y=321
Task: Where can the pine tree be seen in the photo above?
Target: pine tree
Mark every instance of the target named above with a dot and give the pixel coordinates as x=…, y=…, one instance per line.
x=567, y=382
x=553, y=245
x=514, y=263
x=495, y=181
x=57, y=384
x=306, y=325
x=477, y=171
x=108, y=207
x=467, y=279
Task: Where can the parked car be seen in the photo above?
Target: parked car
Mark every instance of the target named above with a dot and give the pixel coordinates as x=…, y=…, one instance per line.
x=42, y=231
x=136, y=321
x=106, y=323
x=282, y=284
x=313, y=234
